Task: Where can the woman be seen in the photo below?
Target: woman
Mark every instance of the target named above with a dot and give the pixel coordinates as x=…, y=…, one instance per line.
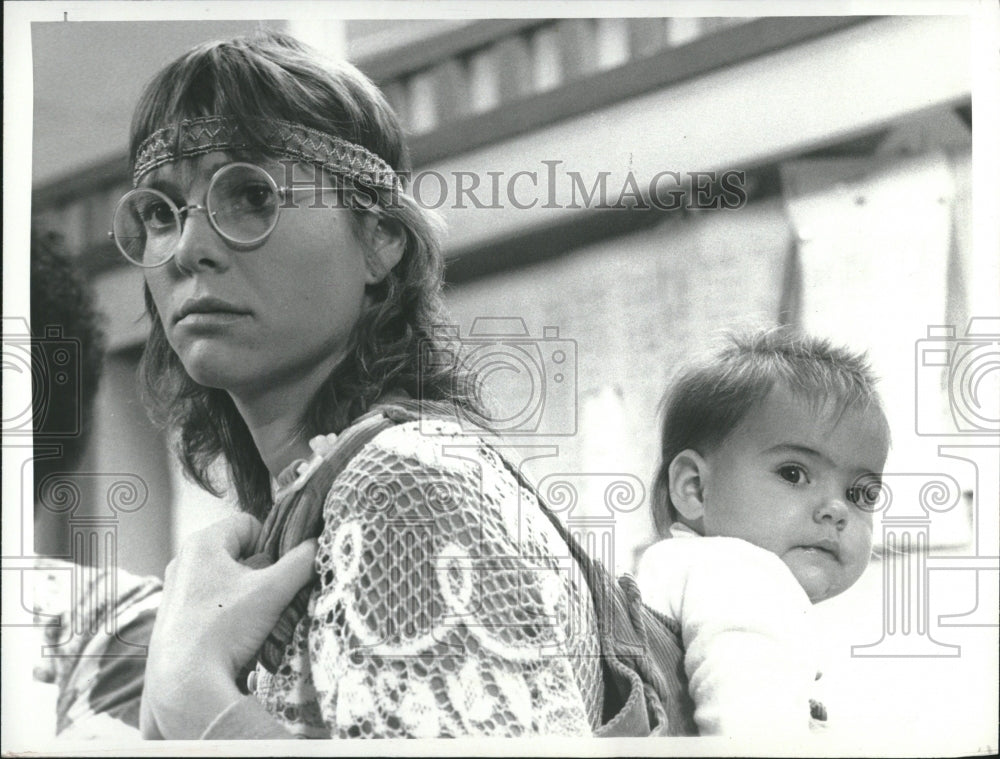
x=292, y=284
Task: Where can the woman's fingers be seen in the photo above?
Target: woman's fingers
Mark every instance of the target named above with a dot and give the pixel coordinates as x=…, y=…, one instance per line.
x=238, y=534
x=214, y=615
x=285, y=578
x=235, y=535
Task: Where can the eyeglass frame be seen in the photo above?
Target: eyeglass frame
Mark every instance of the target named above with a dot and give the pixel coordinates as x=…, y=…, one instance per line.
x=181, y=212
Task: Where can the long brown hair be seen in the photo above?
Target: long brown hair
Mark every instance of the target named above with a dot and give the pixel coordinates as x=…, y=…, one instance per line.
x=272, y=75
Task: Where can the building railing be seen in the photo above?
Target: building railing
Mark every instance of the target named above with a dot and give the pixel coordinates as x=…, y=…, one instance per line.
x=482, y=83
x=483, y=66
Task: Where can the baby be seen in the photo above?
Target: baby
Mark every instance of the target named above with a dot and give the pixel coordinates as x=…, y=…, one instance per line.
x=771, y=459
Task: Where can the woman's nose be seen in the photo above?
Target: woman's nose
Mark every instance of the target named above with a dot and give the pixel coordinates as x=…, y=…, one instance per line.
x=833, y=509
x=199, y=246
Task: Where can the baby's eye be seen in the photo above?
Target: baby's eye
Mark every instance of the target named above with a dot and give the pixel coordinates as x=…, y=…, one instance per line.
x=792, y=473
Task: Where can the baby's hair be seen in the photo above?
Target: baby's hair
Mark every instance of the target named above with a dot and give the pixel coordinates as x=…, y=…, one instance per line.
x=712, y=396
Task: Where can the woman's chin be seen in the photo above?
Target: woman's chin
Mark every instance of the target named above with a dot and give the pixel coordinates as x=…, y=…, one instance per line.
x=211, y=372
x=214, y=363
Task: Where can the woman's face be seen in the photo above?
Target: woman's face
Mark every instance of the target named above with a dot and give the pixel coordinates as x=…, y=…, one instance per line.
x=251, y=320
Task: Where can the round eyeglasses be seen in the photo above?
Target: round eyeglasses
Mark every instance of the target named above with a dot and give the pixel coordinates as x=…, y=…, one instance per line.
x=242, y=205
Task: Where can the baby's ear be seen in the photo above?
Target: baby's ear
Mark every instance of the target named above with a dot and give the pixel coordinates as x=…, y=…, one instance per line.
x=387, y=240
x=686, y=473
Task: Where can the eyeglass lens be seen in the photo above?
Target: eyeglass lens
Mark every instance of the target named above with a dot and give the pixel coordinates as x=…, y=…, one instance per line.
x=242, y=205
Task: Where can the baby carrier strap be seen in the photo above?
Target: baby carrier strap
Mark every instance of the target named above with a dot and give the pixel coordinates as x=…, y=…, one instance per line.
x=645, y=686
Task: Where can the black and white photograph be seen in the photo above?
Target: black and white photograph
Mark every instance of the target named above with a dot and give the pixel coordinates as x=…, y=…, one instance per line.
x=501, y=378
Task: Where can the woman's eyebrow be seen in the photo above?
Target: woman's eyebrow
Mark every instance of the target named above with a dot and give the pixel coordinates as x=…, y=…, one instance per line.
x=169, y=185
x=163, y=185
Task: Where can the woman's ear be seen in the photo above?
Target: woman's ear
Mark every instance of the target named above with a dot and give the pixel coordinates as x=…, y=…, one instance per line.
x=687, y=472
x=387, y=241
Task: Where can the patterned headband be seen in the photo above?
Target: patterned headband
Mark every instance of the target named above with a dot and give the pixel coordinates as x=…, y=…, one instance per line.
x=192, y=137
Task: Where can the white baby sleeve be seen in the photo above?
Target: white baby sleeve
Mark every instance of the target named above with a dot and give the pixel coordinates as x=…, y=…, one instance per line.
x=745, y=630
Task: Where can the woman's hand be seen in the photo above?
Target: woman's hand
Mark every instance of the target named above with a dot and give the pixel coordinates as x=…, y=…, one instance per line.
x=214, y=616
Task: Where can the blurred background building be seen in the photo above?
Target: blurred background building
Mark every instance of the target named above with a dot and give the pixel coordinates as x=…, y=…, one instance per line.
x=853, y=136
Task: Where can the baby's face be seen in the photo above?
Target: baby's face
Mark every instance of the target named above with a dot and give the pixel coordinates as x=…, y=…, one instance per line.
x=788, y=480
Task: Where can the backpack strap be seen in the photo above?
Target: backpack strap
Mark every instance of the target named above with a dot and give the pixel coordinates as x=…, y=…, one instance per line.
x=645, y=685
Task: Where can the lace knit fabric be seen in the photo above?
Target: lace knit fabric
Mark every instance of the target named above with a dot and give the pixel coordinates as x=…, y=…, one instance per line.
x=447, y=605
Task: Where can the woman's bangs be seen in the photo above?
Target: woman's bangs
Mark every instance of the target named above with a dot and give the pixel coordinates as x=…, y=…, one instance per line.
x=204, y=84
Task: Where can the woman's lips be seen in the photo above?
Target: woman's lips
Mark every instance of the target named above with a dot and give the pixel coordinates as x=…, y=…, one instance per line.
x=210, y=318
x=208, y=310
